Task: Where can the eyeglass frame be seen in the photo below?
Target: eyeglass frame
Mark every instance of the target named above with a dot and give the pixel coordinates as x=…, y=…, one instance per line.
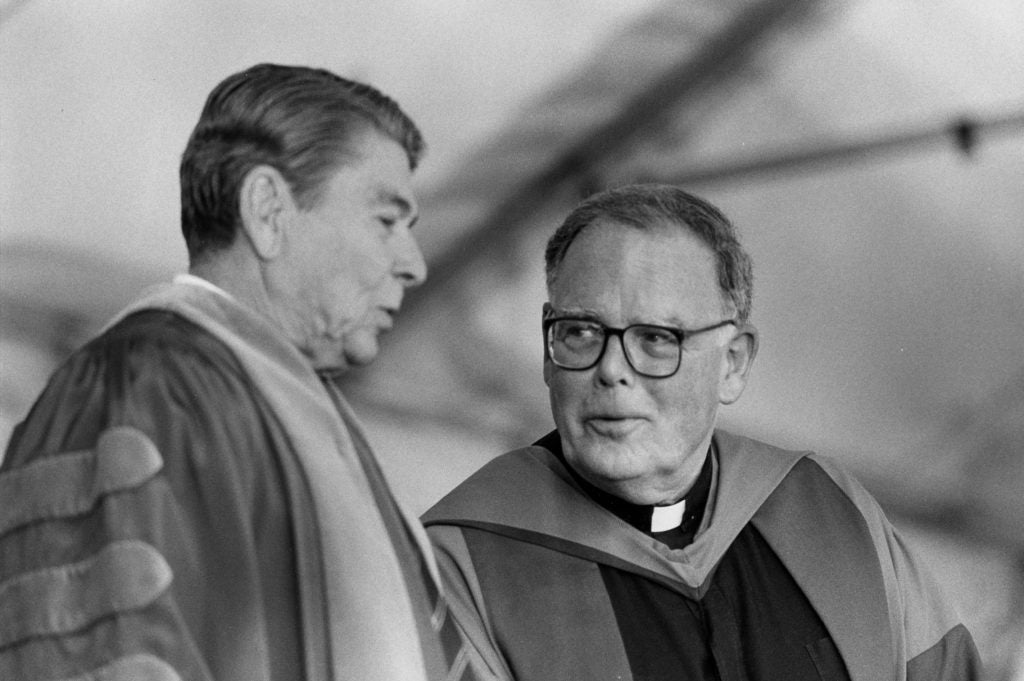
x=680, y=334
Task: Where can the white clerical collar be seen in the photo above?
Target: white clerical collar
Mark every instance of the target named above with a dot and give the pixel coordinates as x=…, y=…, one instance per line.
x=665, y=518
x=193, y=280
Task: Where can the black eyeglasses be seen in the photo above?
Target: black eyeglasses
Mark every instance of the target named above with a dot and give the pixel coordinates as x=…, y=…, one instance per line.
x=653, y=351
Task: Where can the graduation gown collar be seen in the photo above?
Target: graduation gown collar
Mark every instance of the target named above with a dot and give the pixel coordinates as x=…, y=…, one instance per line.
x=674, y=524
x=530, y=495
x=357, y=623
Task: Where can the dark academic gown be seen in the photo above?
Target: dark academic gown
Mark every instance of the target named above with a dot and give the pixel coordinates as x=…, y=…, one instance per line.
x=557, y=586
x=187, y=500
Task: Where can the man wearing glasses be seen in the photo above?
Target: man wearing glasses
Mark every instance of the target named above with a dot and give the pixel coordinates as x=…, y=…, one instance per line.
x=637, y=541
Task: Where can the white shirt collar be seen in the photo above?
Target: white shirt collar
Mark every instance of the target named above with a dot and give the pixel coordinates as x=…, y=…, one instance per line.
x=187, y=278
x=665, y=518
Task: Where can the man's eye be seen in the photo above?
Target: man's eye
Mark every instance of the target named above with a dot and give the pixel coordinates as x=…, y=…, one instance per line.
x=580, y=331
x=655, y=337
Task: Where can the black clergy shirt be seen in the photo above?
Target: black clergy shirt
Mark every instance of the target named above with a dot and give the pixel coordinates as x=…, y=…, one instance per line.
x=751, y=623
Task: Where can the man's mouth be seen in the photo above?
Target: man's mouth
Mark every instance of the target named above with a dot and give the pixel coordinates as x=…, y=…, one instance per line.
x=388, y=317
x=613, y=425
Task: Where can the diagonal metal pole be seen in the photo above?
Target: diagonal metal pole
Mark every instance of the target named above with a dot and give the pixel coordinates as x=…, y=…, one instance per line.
x=512, y=214
x=964, y=133
x=9, y=8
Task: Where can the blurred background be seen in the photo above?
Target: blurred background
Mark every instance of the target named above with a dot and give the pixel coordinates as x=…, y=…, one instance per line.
x=870, y=151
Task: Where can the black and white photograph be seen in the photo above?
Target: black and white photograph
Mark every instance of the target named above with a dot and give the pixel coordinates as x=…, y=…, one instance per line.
x=512, y=340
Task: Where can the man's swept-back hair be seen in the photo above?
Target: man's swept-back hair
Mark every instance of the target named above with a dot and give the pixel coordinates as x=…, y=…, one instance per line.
x=302, y=121
x=646, y=206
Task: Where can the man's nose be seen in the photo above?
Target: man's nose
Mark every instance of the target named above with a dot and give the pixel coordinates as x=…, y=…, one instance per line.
x=613, y=367
x=410, y=267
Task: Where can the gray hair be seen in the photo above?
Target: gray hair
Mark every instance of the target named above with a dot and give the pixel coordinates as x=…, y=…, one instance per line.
x=646, y=205
x=301, y=121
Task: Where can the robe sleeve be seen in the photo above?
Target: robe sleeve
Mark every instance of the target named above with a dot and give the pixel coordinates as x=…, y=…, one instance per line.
x=931, y=640
x=128, y=515
x=938, y=645
x=465, y=599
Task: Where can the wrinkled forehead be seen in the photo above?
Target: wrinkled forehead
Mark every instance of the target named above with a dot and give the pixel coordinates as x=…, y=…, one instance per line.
x=650, y=228
x=629, y=273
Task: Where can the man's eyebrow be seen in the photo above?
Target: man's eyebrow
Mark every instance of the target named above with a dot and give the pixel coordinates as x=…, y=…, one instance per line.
x=575, y=312
x=591, y=315
x=394, y=199
x=404, y=206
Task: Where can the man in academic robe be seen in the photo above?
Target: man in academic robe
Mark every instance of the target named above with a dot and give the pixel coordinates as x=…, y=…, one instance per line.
x=191, y=498
x=637, y=540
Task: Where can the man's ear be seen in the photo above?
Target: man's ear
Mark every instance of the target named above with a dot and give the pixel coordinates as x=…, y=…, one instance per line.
x=739, y=357
x=266, y=204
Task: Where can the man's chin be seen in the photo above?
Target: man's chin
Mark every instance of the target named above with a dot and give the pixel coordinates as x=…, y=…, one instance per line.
x=360, y=353
x=338, y=359
x=604, y=464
